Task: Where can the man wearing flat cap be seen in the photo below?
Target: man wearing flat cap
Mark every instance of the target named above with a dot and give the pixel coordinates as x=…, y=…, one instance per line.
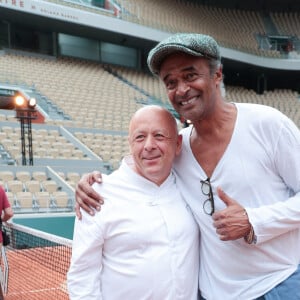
x=194, y=44
x=238, y=171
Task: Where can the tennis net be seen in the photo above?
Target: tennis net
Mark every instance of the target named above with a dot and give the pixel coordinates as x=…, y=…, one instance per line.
x=38, y=263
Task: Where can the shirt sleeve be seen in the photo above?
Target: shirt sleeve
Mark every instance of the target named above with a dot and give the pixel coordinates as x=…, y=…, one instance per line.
x=84, y=275
x=5, y=202
x=273, y=220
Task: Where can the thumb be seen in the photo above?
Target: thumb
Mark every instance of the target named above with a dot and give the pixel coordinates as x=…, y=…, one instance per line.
x=224, y=197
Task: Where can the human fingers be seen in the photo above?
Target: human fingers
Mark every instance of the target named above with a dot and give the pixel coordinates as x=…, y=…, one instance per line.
x=77, y=211
x=232, y=227
x=84, y=189
x=228, y=201
x=232, y=210
x=95, y=176
x=85, y=203
x=87, y=198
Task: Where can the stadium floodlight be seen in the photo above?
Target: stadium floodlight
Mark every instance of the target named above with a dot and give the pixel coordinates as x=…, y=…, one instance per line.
x=32, y=103
x=26, y=112
x=19, y=100
x=22, y=102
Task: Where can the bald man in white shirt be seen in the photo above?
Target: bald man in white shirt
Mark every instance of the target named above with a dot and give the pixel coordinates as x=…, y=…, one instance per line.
x=144, y=244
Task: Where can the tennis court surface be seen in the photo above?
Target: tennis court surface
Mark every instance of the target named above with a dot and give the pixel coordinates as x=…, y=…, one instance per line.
x=37, y=265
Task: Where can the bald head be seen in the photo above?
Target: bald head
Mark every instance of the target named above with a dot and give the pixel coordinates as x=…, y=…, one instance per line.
x=150, y=111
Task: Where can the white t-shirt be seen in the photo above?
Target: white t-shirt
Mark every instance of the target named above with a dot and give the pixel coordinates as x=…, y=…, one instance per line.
x=142, y=245
x=261, y=170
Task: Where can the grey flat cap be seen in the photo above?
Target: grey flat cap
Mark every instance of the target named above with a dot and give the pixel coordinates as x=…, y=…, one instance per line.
x=190, y=43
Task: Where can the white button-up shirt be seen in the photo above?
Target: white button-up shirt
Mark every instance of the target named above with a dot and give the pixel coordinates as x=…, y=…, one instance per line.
x=143, y=244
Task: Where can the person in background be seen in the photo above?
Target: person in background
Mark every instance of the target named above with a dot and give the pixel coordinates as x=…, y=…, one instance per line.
x=6, y=209
x=6, y=214
x=144, y=244
x=239, y=172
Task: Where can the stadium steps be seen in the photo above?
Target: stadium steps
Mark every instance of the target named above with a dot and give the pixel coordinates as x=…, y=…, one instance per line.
x=269, y=25
x=150, y=98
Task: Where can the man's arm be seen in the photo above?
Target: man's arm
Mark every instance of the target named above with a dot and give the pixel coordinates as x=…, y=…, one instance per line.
x=85, y=195
x=8, y=214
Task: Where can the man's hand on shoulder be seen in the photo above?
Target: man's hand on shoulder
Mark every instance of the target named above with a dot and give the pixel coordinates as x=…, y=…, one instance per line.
x=86, y=198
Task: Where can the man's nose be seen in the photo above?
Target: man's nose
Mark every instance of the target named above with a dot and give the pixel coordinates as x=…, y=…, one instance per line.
x=182, y=88
x=150, y=143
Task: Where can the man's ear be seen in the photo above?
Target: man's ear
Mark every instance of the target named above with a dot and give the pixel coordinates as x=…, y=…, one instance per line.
x=219, y=75
x=179, y=144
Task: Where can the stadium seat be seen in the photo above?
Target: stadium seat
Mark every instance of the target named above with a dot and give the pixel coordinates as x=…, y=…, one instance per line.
x=33, y=186
x=53, y=132
x=40, y=152
x=61, y=199
x=78, y=154
x=49, y=186
x=43, y=199
x=25, y=199
x=8, y=130
x=15, y=186
x=39, y=175
x=6, y=175
x=54, y=153
x=7, y=142
x=23, y=176
x=73, y=176
x=2, y=135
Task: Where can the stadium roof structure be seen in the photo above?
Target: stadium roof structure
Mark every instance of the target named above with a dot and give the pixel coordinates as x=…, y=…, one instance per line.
x=268, y=5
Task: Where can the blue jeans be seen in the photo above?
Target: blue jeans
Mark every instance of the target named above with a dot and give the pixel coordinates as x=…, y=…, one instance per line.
x=288, y=289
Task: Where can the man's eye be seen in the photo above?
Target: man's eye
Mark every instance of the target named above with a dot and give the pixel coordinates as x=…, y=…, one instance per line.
x=139, y=138
x=190, y=76
x=170, y=85
x=159, y=136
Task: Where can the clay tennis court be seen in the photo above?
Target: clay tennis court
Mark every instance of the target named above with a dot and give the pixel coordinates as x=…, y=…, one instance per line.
x=38, y=273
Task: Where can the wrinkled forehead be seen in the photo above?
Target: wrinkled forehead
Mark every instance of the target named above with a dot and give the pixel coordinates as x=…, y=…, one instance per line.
x=150, y=125
x=153, y=131
x=153, y=121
